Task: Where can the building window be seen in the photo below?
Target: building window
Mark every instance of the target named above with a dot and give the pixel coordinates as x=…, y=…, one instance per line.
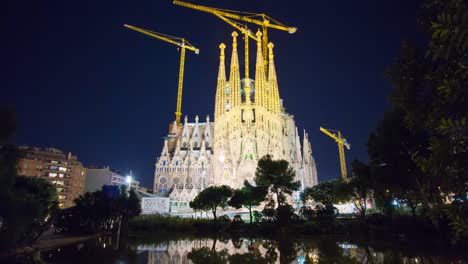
x=61, y=175
x=52, y=174
x=54, y=161
x=53, y=167
x=58, y=182
x=62, y=169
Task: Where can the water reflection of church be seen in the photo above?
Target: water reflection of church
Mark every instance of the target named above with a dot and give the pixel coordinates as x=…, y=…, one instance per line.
x=178, y=252
x=249, y=122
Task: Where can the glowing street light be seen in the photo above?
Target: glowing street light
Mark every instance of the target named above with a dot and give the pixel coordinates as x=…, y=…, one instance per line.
x=129, y=180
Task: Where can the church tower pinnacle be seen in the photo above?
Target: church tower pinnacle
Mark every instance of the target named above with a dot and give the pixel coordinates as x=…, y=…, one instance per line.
x=220, y=104
x=260, y=79
x=234, y=75
x=273, y=92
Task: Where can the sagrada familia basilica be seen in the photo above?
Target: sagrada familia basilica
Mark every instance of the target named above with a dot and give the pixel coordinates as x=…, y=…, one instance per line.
x=249, y=122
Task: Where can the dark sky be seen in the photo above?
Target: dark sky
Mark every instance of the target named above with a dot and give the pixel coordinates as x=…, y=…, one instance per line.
x=80, y=82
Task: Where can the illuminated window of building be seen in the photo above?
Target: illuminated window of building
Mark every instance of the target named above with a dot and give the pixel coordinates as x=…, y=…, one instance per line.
x=52, y=174
x=54, y=161
x=59, y=190
x=58, y=182
x=53, y=167
x=62, y=169
x=61, y=205
x=61, y=175
x=61, y=197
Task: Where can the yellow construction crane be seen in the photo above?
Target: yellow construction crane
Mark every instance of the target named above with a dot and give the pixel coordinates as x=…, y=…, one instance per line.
x=183, y=45
x=338, y=137
x=258, y=19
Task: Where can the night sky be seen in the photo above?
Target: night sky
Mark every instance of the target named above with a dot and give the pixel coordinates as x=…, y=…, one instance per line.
x=83, y=83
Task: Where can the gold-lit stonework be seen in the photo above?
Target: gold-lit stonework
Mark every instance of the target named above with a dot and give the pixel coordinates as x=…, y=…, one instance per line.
x=249, y=122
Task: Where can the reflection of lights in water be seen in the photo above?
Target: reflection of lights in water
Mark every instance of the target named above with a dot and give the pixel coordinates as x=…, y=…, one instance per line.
x=313, y=257
x=346, y=245
x=300, y=259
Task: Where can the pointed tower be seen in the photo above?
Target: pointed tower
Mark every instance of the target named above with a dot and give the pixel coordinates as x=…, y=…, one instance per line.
x=174, y=128
x=185, y=134
x=196, y=137
x=273, y=92
x=298, y=145
x=220, y=104
x=260, y=79
x=309, y=163
x=177, y=148
x=234, y=75
x=207, y=133
x=165, y=151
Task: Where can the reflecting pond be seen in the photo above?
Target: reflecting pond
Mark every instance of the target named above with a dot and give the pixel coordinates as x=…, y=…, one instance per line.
x=248, y=250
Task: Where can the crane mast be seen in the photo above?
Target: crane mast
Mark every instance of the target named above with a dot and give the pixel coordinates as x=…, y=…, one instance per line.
x=258, y=19
x=338, y=137
x=183, y=45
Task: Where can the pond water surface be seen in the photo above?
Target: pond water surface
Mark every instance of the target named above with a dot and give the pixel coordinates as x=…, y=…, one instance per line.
x=157, y=249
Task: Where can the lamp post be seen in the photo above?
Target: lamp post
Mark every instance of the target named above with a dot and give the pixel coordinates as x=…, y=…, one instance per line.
x=129, y=180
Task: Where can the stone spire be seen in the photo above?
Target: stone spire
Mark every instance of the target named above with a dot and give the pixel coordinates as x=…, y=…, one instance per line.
x=260, y=79
x=298, y=146
x=234, y=75
x=177, y=148
x=174, y=128
x=220, y=104
x=307, y=148
x=165, y=151
x=273, y=92
x=196, y=137
x=207, y=133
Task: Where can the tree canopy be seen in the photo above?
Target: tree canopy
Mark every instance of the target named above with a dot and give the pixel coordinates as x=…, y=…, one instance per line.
x=430, y=101
x=211, y=198
x=248, y=196
x=276, y=176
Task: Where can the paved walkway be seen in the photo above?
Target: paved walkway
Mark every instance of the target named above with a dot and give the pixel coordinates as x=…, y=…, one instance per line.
x=45, y=244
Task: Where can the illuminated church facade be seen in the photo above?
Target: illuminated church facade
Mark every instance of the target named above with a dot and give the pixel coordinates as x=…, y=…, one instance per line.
x=249, y=123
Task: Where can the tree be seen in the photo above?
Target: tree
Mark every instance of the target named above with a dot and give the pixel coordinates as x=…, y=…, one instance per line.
x=248, y=196
x=359, y=186
x=104, y=210
x=276, y=176
x=395, y=174
x=211, y=198
x=31, y=209
x=430, y=91
x=326, y=193
x=27, y=204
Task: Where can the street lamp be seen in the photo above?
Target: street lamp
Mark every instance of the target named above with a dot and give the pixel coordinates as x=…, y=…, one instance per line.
x=129, y=180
